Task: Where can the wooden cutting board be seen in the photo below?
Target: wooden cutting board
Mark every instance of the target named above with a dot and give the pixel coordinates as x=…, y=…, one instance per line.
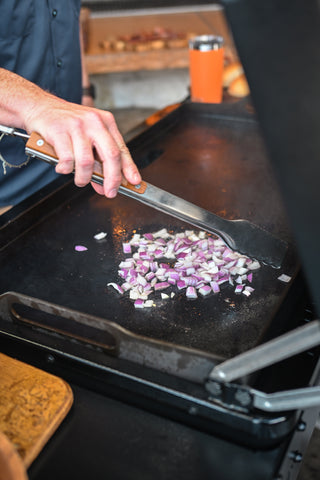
x=33, y=403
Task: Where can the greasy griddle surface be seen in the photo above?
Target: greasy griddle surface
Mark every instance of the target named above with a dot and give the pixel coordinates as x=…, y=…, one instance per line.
x=204, y=154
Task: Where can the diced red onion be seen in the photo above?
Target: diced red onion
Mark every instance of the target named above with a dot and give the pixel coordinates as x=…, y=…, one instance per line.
x=148, y=236
x=215, y=287
x=161, y=286
x=149, y=276
x=123, y=273
x=127, y=264
x=126, y=247
x=249, y=289
x=116, y=287
x=139, y=303
x=205, y=290
x=238, y=288
x=80, y=248
x=195, y=261
x=191, y=292
x=181, y=284
x=223, y=279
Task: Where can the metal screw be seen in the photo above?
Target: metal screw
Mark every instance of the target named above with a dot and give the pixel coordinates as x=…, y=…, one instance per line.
x=193, y=410
x=243, y=397
x=215, y=388
x=50, y=358
x=301, y=426
x=138, y=186
x=296, y=456
x=40, y=143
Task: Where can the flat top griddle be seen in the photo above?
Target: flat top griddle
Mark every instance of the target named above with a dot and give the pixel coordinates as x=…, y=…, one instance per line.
x=211, y=155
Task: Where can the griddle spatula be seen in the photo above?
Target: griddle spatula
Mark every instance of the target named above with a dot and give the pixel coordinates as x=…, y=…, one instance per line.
x=240, y=235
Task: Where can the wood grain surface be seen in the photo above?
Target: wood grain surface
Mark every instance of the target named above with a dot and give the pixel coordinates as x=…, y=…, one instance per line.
x=33, y=403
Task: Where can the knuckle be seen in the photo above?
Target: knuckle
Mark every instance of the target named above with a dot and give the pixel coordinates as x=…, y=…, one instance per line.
x=114, y=153
x=66, y=157
x=109, y=117
x=93, y=118
x=85, y=161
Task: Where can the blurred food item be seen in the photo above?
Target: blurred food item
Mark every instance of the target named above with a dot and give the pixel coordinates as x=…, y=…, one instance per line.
x=157, y=44
x=239, y=87
x=181, y=42
x=156, y=39
x=231, y=72
x=234, y=80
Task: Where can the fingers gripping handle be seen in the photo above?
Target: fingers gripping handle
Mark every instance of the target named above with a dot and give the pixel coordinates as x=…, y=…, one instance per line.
x=36, y=146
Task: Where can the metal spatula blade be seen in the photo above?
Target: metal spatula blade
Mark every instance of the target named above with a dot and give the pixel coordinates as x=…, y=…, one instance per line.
x=240, y=235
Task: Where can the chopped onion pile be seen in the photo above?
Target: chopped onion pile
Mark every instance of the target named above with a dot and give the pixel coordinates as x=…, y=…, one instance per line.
x=192, y=262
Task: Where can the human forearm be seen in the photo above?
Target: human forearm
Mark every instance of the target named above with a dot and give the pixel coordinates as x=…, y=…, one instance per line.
x=18, y=97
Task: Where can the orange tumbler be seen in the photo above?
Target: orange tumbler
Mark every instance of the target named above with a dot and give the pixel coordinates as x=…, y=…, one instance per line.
x=206, y=57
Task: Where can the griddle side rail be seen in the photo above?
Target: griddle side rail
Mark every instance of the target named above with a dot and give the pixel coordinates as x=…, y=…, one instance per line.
x=213, y=373
x=187, y=363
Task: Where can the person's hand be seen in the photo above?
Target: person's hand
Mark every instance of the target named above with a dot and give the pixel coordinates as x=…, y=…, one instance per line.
x=80, y=134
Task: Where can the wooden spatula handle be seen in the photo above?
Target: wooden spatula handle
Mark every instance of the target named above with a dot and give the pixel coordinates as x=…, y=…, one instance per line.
x=38, y=144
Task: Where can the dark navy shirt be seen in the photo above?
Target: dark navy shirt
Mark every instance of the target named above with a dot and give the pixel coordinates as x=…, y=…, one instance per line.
x=39, y=40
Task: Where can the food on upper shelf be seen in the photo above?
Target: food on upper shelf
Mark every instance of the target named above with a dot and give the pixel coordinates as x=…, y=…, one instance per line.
x=230, y=72
x=239, y=87
x=156, y=39
x=234, y=80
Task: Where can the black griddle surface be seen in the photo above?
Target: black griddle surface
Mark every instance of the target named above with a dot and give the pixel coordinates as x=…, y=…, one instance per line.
x=210, y=155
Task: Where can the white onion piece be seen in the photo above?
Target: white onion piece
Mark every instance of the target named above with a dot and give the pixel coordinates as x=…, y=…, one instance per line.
x=254, y=265
x=284, y=278
x=116, y=287
x=100, y=236
x=164, y=296
x=148, y=303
